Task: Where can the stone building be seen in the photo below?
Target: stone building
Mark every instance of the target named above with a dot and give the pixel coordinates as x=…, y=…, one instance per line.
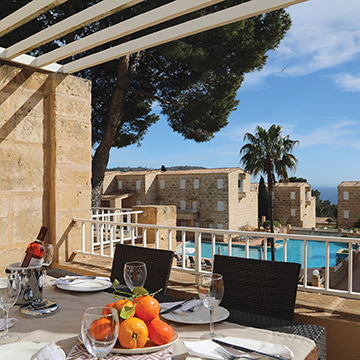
x=348, y=203
x=214, y=198
x=294, y=205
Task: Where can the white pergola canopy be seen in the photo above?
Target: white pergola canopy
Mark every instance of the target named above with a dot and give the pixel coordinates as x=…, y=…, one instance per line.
x=172, y=10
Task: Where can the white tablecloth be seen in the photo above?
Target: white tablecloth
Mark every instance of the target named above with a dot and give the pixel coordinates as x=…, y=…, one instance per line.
x=64, y=326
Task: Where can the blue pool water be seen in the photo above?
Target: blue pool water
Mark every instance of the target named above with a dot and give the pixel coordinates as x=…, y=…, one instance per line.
x=295, y=251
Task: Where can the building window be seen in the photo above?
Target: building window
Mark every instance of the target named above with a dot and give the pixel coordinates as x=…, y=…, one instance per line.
x=220, y=183
x=220, y=226
x=346, y=214
x=162, y=184
x=138, y=202
x=182, y=184
x=211, y=226
x=346, y=195
x=138, y=184
x=194, y=206
x=183, y=205
x=220, y=206
x=120, y=184
x=293, y=212
x=196, y=183
x=196, y=224
x=241, y=185
x=292, y=195
x=161, y=202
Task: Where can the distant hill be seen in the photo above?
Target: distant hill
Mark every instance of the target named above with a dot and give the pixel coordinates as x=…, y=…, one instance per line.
x=144, y=168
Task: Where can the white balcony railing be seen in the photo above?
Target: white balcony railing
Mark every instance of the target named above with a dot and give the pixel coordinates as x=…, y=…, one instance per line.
x=100, y=236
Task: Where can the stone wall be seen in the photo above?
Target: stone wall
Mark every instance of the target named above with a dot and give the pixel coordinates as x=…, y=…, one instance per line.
x=294, y=205
x=243, y=205
x=349, y=204
x=45, y=152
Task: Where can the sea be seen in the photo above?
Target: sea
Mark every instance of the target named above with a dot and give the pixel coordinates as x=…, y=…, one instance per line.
x=327, y=193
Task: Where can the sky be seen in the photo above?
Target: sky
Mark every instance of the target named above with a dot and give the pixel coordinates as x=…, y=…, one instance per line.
x=310, y=86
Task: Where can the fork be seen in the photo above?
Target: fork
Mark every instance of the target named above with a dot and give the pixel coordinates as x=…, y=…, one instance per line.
x=228, y=356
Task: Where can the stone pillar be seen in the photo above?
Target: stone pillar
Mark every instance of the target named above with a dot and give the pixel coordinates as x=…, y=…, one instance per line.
x=45, y=152
x=69, y=109
x=158, y=215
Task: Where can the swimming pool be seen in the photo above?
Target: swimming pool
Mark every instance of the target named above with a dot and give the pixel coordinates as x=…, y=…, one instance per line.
x=295, y=251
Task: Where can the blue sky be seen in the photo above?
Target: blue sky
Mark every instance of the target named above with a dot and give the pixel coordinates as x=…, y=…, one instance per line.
x=310, y=86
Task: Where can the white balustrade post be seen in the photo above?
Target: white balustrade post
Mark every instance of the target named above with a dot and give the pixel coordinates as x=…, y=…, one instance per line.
x=112, y=232
x=230, y=246
x=183, y=249
x=213, y=246
x=350, y=268
x=144, y=236
x=305, y=263
x=247, y=247
x=157, y=238
x=169, y=239
x=198, y=251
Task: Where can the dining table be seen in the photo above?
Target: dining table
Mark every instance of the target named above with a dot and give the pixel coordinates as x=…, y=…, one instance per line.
x=63, y=327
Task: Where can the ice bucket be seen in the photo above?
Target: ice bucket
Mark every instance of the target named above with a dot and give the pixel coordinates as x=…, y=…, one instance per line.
x=31, y=282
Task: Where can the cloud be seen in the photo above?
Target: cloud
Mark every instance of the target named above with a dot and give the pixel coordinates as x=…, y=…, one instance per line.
x=331, y=134
x=324, y=34
x=348, y=82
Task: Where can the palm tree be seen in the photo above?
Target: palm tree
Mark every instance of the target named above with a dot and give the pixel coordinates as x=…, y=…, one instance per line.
x=268, y=152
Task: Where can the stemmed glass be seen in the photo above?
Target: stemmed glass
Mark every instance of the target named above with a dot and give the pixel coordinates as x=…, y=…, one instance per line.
x=135, y=274
x=47, y=257
x=211, y=292
x=10, y=287
x=99, y=331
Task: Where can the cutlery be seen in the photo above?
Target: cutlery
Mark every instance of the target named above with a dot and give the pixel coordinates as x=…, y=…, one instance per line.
x=176, y=306
x=242, y=348
x=228, y=356
x=194, y=308
x=70, y=280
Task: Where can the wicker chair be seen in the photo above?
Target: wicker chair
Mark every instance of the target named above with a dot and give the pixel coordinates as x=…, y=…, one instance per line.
x=258, y=286
x=158, y=263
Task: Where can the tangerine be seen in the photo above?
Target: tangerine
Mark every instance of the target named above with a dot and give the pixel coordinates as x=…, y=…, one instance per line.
x=120, y=304
x=107, y=311
x=101, y=329
x=147, y=308
x=160, y=333
x=133, y=333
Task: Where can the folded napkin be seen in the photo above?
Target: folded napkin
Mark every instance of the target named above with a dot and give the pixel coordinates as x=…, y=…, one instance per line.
x=192, y=304
x=77, y=279
x=48, y=352
x=79, y=352
x=10, y=323
x=206, y=348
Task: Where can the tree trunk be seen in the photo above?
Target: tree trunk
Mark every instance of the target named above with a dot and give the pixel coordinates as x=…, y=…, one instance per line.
x=101, y=155
x=271, y=214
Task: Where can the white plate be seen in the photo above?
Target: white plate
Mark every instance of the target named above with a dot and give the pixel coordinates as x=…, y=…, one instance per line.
x=23, y=350
x=149, y=347
x=86, y=285
x=201, y=316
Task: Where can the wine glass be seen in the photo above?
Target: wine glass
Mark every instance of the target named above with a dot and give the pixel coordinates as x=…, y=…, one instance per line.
x=47, y=257
x=211, y=292
x=99, y=331
x=10, y=287
x=135, y=274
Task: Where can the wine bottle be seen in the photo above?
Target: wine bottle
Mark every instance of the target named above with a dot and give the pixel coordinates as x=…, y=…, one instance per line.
x=34, y=251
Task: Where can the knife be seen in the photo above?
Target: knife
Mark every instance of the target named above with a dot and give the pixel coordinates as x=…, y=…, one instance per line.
x=244, y=349
x=176, y=306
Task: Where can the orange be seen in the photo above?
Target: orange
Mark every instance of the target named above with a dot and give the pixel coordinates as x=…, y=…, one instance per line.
x=133, y=333
x=120, y=304
x=105, y=310
x=101, y=329
x=147, y=308
x=160, y=332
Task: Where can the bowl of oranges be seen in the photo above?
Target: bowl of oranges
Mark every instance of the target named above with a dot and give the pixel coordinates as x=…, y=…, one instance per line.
x=140, y=330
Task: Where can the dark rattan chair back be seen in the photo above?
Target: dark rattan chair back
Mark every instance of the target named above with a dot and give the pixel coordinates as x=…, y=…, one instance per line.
x=158, y=263
x=258, y=286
